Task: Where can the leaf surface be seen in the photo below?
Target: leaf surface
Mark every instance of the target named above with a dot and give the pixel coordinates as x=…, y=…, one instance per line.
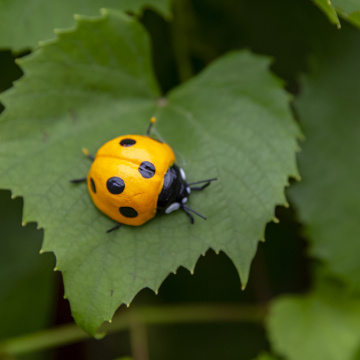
x=95, y=83
x=323, y=325
x=328, y=197
x=329, y=10
x=24, y=23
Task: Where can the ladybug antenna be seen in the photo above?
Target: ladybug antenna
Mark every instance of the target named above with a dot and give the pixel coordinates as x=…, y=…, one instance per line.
x=187, y=209
x=152, y=122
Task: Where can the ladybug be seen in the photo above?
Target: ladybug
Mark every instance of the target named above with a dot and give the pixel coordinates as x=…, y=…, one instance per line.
x=134, y=177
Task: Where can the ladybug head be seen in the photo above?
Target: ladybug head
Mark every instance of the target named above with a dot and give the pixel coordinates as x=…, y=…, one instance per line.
x=175, y=192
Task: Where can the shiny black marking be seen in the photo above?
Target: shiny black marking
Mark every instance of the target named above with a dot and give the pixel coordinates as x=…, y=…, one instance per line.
x=115, y=185
x=92, y=185
x=147, y=169
x=127, y=142
x=128, y=212
x=174, y=189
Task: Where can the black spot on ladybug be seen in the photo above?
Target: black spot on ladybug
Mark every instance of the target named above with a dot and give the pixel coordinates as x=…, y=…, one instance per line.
x=92, y=184
x=115, y=185
x=147, y=169
x=127, y=142
x=128, y=212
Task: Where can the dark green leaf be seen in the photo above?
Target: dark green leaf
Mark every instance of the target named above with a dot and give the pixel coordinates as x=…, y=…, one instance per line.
x=328, y=198
x=329, y=11
x=323, y=325
x=347, y=9
x=24, y=23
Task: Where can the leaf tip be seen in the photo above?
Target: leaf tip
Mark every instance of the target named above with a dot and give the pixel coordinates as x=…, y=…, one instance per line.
x=243, y=287
x=262, y=239
x=24, y=223
x=286, y=204
x=157, y=292
x=110, y=321
x=99, y=336
x=56, y=268
x=192, y=271
x=42, y=251
x=275, y=220
x=128, y=305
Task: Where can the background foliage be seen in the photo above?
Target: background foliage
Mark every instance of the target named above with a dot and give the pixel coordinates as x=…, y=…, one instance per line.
x=236, y=105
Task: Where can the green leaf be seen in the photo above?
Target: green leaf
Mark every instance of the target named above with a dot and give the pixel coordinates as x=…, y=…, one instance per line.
x=323, y=325
x=328, y=198
x=23, y=273
x=347, y=9
x=24, y=23
x=95, y=83
x=329, y=11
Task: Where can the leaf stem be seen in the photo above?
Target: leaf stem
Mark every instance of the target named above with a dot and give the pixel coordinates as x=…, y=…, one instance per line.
x=138, y=339
x=150, y=315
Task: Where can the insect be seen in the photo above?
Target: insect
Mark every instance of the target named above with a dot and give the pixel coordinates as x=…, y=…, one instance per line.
x=134, y=177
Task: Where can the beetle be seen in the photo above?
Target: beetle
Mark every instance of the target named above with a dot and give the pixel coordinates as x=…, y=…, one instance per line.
x=134, y=177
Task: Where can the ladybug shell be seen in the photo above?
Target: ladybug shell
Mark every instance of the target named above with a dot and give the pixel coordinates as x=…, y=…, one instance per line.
x=127, y=176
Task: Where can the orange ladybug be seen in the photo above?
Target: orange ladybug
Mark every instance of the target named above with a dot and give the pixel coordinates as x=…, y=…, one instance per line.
x=134, y=177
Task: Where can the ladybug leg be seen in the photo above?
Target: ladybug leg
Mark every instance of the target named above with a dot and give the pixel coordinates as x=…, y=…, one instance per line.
x=77, y=181
x=114, y=228
x=187, y=209
x=191, y=218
